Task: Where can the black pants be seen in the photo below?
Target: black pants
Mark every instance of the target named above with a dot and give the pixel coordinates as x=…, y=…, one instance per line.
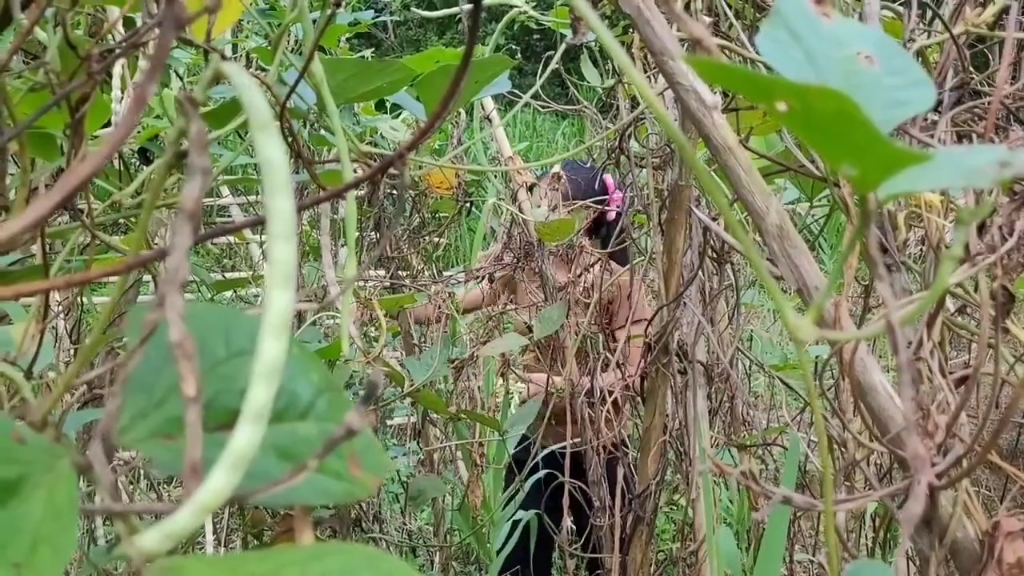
x=529, y=557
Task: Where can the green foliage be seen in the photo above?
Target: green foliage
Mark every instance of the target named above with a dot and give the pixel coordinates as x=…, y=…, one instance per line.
x=550, y=319
x=482, y=72
x=353, y=80
x=864, y=155
x=866, y=83
x=38, y=502
x=867, y=567
x=424, y=488
x=392, y=303
x=524, y=40
x=729, y=551
x=429, y=400
x=431, y=364
x=957, y=168
x=815, y=45
x=504, y=344
x=772, y=553
x=321, y=559
x=13, y=347
x=557, y=230
x=308, y=409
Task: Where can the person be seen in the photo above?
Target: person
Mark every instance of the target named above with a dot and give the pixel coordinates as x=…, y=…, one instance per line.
x=605, y=299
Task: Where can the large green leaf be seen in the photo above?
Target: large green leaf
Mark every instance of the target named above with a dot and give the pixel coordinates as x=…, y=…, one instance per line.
x=320, y=559
x=823, y=118
x=957, y=168
x=308, y=409
x=431, y=86
x=432, y=58
x=813, y=45
x=353, y=80
x=38, y=502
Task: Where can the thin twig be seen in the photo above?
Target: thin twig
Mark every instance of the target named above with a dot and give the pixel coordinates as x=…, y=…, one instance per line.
x=198, y=176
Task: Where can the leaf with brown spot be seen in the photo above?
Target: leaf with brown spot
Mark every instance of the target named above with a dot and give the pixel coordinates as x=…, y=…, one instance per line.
x=810, y=43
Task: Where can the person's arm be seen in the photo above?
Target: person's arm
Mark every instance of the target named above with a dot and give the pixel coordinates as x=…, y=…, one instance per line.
x=485, y=295
x=628, y=316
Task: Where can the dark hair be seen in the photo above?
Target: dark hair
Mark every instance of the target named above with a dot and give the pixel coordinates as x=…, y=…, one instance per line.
x=585, y=184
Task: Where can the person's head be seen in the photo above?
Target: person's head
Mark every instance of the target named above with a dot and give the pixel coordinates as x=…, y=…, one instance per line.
x=585, y=187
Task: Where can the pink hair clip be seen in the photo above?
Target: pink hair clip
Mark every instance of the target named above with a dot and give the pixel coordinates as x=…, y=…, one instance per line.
x=615, y=197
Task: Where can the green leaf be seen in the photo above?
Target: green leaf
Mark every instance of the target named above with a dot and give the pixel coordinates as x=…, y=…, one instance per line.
x=431, y=364
x=55, y=120
x=754, y=122
x=307, y=411
x=14, y=349
x=729, y=551
x=432, y=58
x=957, y=168
x=219, y=116
x=392, y=303
x=590, y=72
x=38, y=502
x=353, y=80
x=482, y=419
x=429, y=400
x=430, y=87
x=79, y=418
x=504, y=344
x=405, y=101
x=867, y=567
x=320, y=559
x=557, y=230
x=774, y=542
x=819, y=351
x=444, y=206
x=550, y=319
x=893, y=26
x=863, y=154
x=499, y=85
x=559, y=20
x=304, y=96
x=43, y=145
x=521, y=419
x=422, y=489
x=820, y=46
x=393, y=371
